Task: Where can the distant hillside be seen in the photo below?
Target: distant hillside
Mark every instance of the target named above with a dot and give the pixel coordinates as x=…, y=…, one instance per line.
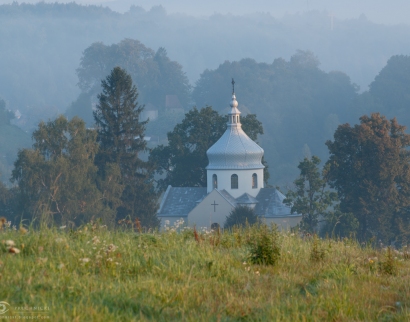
x=42, y=44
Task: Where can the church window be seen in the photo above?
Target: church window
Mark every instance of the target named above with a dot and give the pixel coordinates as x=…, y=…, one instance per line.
x=234, y=181
x=254, y=181
x=214, y=181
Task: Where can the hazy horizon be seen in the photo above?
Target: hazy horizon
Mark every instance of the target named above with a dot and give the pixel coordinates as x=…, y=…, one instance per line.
x=375, y=10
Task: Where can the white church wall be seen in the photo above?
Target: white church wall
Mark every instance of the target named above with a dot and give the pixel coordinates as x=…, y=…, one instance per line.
x=244, y=181
x=214, y=208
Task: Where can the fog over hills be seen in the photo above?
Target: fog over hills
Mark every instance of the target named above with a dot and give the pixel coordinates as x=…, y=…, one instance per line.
x=42, y=46
x=379, y=11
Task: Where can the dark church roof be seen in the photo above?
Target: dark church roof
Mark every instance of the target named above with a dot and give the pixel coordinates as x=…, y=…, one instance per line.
x=178, y=202
x=270, y=204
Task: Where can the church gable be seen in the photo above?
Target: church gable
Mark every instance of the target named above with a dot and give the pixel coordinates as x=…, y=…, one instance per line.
x=213, y=209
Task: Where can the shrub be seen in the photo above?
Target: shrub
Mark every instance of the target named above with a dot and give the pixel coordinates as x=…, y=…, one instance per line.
x=240, y=216
x=264, y=245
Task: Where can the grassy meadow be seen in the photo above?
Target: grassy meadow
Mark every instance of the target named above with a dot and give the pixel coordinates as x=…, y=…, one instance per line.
x=95, y=274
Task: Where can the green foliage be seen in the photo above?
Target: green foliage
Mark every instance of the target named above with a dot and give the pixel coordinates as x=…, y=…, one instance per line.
x=389, y=265
x=153, y=72
x=56, y=179
x=264, y=245
x=81, y=108
x=312, y=198
x=317, y=253
x=369, y=168
x=183, y=160
x=240, y=216
x=121, y=140
x=339, y=224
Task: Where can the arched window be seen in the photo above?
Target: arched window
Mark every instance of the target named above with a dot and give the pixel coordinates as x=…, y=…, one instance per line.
x=234, y=181
x=254, y=181
x=214, y=181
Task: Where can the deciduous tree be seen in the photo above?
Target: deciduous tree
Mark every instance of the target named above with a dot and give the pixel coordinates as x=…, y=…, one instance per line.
x=369, y=167
x=311, y=198
x=56, y=179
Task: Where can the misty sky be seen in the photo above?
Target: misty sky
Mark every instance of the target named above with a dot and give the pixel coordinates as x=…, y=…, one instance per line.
x=382, y=11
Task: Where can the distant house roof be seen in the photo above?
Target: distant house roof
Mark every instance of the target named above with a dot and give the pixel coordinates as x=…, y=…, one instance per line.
x=179, y=201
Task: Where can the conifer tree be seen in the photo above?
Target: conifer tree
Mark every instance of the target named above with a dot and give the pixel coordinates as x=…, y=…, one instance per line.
x=121, y=140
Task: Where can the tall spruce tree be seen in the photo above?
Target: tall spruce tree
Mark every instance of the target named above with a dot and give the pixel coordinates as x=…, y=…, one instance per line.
x=121, y=139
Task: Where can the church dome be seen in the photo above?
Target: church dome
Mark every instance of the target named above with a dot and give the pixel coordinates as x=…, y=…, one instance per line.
x=235, y=150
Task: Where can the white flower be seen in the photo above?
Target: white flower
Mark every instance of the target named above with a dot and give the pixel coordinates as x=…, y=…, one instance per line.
x=111, y=248
x=257, y=273
x=166, y=222
x=62, y=227
x=10, y=243
x=84, y=260
x=109, y=259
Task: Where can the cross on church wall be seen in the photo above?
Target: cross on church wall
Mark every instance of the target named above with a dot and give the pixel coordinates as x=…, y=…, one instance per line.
x=214, y=204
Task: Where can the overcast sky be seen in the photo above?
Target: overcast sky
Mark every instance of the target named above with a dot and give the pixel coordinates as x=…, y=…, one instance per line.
x=382, y=11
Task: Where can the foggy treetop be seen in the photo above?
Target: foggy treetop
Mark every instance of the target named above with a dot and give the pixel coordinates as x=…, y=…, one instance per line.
x=43, y=43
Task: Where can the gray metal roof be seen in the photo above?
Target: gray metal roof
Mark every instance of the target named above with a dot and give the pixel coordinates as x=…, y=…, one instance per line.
x=179, y=202
x=234, y=149
x=270, y=204
x=246, y=199
x=228, y=197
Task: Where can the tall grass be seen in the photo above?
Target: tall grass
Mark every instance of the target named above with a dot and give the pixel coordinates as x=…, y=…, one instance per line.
x=92, y=274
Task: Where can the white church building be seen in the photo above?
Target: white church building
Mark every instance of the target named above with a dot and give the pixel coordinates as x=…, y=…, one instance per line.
x=234, y=177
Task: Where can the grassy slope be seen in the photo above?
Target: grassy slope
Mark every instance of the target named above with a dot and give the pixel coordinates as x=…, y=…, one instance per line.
x=169, y=276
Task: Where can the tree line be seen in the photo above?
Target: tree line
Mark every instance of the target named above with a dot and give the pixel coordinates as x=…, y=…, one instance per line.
x=74, y=174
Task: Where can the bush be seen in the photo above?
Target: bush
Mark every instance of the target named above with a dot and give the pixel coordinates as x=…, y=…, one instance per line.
x=264, y=245
x=240, y=216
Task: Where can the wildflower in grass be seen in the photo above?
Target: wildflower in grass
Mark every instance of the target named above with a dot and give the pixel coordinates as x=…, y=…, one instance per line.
x=84, y=260
x=3, y=220
x=9, y=243
x=257, y=273
x=23, y=230
x=14, y=250
x=95, y=240
x=111, y=248
x=60, y=266
x=59, y=240
x=63, y=227
x=109, y=259
x=196, y=236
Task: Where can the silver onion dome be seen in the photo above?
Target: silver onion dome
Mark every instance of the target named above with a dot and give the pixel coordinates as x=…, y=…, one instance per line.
x=234, y=150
